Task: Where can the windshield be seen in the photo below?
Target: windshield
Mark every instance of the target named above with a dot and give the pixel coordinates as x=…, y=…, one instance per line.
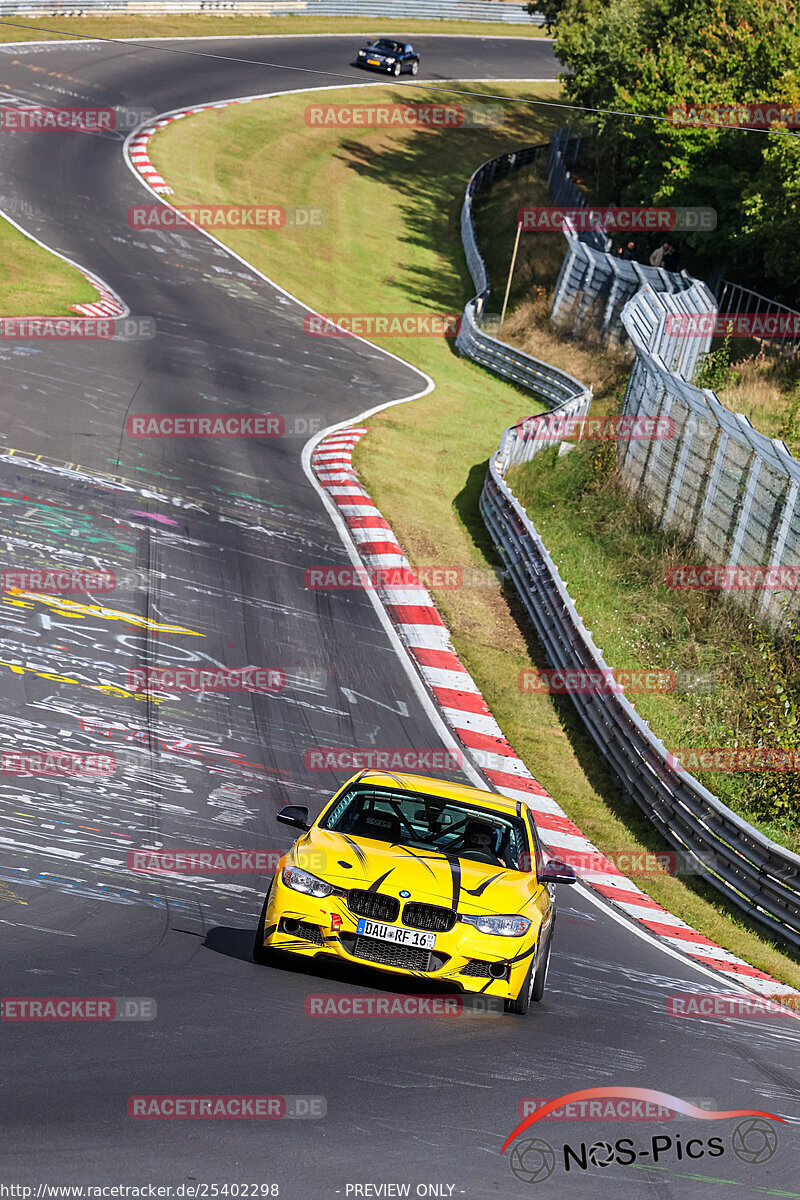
x=387, y=47
x=424, y=822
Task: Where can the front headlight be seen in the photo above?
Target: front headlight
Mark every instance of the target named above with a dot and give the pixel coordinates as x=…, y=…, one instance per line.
x=390, y=61
x=502, y=926
x=362, y=54
x=301, y=881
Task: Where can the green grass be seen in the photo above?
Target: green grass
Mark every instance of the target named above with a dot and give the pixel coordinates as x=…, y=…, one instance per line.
x=616, y=562
x=20, y=28
x=392, y=243
x=34, y=282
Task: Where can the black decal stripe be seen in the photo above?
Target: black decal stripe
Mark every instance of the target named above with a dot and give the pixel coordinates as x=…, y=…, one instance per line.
x=523, y=956
x=373, y=887
x=417, y=857
x=481, y=888
x=359, y=853
x=455, y=871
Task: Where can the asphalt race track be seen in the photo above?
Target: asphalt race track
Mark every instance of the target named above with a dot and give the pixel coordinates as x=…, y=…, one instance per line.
x=210, y=540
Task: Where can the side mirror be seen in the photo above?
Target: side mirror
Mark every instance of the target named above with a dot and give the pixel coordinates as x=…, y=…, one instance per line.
x=556, y=871
x=294, y=814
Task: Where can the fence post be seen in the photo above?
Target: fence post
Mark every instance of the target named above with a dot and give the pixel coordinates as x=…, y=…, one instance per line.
x=710, y=498
x=781, y=534
x=754, y=472
x=680, y=467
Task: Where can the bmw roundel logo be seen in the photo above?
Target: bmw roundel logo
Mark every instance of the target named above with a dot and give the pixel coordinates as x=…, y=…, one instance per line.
x=405, y=894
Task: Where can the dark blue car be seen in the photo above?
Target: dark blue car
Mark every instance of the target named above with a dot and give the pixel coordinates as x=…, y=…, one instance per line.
x=385, y=54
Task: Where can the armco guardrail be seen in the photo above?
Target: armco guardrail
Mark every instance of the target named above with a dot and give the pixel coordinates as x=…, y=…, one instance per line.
x=553, y=386
x=443, y=10
x=755, y=873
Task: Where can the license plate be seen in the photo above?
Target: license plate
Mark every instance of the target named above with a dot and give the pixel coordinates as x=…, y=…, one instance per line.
x=393, y=933
x=374, y=62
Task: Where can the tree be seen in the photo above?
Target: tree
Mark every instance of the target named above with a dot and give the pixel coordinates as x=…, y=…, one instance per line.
x=655, y=57
x=550, y=8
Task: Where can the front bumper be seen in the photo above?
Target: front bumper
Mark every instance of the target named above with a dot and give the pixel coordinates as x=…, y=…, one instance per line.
x=387, y=68
x=461, y=957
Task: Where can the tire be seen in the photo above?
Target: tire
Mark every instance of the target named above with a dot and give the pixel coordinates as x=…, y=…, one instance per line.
x=262, y=954
x=540, y=978
x=521, y=1003
x=414, y=68
x=396, y=70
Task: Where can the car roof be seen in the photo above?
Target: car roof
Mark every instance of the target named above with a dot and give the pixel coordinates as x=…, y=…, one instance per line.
x=446, y=788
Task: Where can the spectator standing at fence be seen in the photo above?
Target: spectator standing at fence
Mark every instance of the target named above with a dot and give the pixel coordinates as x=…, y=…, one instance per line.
x=629, y=253
x=658, y=256
x=672, y=259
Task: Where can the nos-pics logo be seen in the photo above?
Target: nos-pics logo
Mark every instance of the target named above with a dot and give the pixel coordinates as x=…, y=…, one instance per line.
x=753, y=1140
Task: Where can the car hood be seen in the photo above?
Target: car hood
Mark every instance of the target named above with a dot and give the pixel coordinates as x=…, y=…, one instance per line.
x=380, y=53
x=470, y=887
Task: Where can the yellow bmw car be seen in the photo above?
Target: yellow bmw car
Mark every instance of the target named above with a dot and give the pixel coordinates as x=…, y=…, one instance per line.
x=419, y=877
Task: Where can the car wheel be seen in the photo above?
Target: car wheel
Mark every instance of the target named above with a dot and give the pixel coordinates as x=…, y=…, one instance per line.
x=540, y=978
x=414, y=68
x=521, y=1003
x=263, y=954
x=396, y=70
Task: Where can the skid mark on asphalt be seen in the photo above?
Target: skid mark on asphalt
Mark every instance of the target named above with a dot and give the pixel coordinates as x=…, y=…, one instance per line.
x=185, y=783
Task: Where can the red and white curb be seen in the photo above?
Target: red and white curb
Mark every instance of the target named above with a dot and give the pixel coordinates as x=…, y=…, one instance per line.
x=138, y=145
x=109, y=304
x=427, y=640
x=140, y=157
